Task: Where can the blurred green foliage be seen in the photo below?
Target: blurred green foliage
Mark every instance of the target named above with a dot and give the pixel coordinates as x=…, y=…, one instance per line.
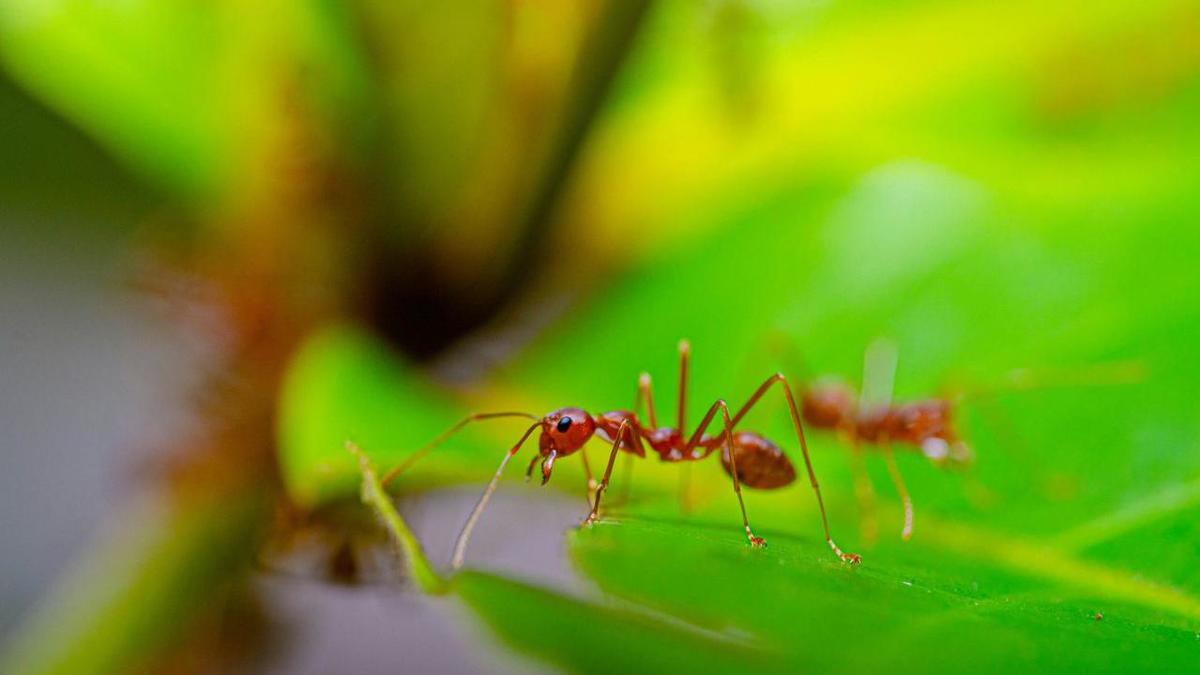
x=992, y=186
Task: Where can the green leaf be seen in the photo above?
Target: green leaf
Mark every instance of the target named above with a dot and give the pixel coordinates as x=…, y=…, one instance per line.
x=344, y=385
x=586, y=637
x=918, y=610
x=185, y=93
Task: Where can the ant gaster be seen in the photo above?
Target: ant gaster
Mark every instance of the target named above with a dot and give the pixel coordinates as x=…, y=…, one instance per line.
x=749, y=458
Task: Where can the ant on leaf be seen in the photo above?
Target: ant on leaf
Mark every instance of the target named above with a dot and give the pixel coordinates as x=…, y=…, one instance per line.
x=749, y=458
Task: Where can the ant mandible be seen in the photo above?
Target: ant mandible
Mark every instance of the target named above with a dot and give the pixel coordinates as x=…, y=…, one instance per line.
x=748, y=457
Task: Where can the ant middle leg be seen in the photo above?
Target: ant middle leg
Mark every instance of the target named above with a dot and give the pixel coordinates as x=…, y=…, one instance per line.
x=898, y=481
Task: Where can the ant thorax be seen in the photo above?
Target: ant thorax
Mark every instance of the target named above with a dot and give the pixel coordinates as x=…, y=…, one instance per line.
x=608, y=425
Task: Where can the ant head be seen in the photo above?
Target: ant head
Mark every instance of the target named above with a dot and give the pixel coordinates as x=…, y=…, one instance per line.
x=931, y=425
x=564, y=431
x=827, y=404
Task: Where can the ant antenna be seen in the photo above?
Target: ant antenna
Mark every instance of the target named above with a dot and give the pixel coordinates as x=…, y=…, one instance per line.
x=460, y=546
x=474, y=417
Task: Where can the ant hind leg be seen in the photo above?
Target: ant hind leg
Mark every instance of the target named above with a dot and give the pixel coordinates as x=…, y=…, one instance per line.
x=794, y=410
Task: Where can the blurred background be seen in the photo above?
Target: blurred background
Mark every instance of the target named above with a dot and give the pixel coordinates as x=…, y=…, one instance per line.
x=233, y=235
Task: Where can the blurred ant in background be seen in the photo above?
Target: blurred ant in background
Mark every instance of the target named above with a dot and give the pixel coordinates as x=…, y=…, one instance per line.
x=871, y=420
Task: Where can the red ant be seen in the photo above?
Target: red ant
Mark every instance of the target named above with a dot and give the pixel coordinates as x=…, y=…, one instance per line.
x=872, y=419
x=748, y=457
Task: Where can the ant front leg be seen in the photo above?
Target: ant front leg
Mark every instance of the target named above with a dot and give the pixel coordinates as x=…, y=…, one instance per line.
x=624, y=432
x=464, y=535
x=852, y=558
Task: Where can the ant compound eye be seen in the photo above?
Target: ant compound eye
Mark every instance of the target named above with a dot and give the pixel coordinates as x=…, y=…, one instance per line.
x=563, y=425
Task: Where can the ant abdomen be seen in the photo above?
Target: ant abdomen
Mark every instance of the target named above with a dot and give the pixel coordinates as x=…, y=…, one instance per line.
x=760, y=463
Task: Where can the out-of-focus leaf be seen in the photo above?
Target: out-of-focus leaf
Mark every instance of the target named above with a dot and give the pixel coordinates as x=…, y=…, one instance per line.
x=345, y=385
x=185, y=92
x=850, y=85
x=139, y=76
